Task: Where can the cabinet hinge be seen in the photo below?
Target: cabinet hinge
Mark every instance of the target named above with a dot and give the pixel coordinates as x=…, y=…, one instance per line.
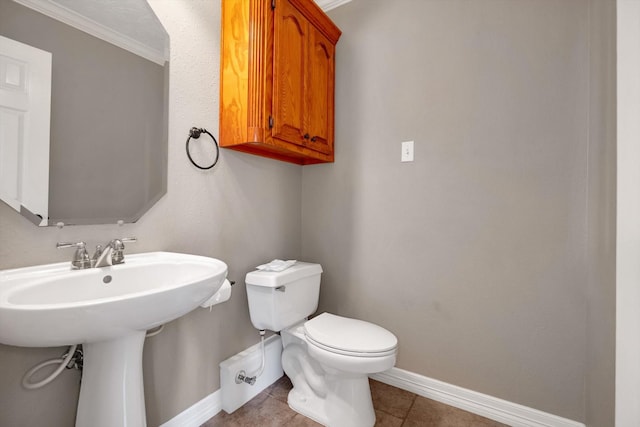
x=270, y=122
x=273, y=4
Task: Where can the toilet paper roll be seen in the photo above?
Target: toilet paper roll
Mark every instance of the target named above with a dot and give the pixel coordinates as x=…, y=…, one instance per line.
x=223, y=294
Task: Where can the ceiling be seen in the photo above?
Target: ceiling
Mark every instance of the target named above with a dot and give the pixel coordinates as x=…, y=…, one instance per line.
x=129, y=24
x=132, y=18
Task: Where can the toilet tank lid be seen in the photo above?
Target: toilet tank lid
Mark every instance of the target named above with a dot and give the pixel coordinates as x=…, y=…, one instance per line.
x=273, y=279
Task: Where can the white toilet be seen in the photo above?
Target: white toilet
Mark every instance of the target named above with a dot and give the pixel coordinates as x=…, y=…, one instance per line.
x=327, y=358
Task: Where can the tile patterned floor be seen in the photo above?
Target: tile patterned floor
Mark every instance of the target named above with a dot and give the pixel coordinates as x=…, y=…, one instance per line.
x=394, y=408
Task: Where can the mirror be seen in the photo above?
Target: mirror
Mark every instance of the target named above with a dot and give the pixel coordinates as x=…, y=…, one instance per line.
x=107, y=140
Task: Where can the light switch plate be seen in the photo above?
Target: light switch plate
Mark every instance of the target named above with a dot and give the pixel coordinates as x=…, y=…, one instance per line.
x=407, y=151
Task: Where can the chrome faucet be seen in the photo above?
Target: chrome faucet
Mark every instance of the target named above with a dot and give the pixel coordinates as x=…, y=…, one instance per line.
x=112, y=254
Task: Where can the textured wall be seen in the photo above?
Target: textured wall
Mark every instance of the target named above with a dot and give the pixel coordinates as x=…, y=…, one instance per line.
x=244, y=211
x=474, y=255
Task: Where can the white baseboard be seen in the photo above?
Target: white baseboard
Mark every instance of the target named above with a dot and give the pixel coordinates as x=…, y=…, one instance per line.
x=481, y=404
x=199, y=413
x=235, y=395
x=490, y=407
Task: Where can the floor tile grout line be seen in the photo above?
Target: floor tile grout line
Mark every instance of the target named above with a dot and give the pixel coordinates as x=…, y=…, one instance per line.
x=404, y=420
x=411, y=396
x=293, y=415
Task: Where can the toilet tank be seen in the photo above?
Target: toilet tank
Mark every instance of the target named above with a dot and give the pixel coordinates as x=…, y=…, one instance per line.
x=278, y=300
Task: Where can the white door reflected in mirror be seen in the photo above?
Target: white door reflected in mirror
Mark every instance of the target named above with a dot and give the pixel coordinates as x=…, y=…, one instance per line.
x=25, y=115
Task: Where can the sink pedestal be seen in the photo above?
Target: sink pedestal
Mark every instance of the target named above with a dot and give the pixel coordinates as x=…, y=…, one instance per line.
x=112, y=392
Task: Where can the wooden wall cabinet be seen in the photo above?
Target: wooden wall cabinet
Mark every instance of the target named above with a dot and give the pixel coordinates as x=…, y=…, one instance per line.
x=277, y=79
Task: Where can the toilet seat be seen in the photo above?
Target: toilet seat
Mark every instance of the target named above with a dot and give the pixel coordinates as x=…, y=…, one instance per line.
x=310, y=341
x=349, y=337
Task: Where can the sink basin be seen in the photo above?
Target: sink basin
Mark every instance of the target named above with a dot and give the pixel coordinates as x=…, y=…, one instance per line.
x=108, y=310
x=52, y=305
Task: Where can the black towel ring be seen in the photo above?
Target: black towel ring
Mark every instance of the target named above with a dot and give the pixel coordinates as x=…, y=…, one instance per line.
x=195, y=134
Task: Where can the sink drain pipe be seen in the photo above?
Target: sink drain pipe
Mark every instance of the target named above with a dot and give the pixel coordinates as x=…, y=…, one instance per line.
x=64, y=361
x=251, y=379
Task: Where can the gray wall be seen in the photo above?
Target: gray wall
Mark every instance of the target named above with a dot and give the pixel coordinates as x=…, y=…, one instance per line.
x=245, y=211
x=601, y=217
x=476, y=254
x=106, y=110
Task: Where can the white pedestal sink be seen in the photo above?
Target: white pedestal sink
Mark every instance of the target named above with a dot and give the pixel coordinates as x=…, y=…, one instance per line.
x=107, y=310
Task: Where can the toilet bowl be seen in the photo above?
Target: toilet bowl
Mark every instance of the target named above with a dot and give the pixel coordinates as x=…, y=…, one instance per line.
x=342, y=352
x=328, y=358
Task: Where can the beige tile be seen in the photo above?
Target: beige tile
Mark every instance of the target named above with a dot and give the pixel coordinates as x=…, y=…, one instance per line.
x=427, y=412
x=263, y=410
x=270, y=409
x=280, y=389
x=301, y=421
x=391, y=400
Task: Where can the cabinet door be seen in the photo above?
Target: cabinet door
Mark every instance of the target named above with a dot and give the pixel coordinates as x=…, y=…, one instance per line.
x=320, y=91
x=289, y=70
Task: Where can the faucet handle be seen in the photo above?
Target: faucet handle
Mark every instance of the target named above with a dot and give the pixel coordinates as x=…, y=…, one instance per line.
x=120, y=242
x=118, y=248
x=63, y=245
x=80, y=258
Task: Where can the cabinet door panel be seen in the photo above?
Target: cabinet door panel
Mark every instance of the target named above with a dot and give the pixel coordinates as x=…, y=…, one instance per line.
x=321, y=91
x=289, y=62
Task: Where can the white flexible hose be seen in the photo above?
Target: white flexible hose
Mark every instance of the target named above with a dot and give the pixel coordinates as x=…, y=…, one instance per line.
x=262, y=362
x=156, y=332
x=63, y=364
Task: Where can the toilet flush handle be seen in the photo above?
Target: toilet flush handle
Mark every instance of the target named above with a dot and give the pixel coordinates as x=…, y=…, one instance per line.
x=281, y=288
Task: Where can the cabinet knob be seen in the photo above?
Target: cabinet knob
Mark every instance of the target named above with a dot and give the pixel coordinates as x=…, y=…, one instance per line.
x=306, y=136
x=314, y=139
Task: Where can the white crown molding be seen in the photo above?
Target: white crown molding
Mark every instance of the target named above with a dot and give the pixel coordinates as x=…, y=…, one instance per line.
x=327, y=5
x=484, y=405
x=89, y=26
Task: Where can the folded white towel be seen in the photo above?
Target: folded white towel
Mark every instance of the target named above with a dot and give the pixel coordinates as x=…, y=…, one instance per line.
x=277, y=265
